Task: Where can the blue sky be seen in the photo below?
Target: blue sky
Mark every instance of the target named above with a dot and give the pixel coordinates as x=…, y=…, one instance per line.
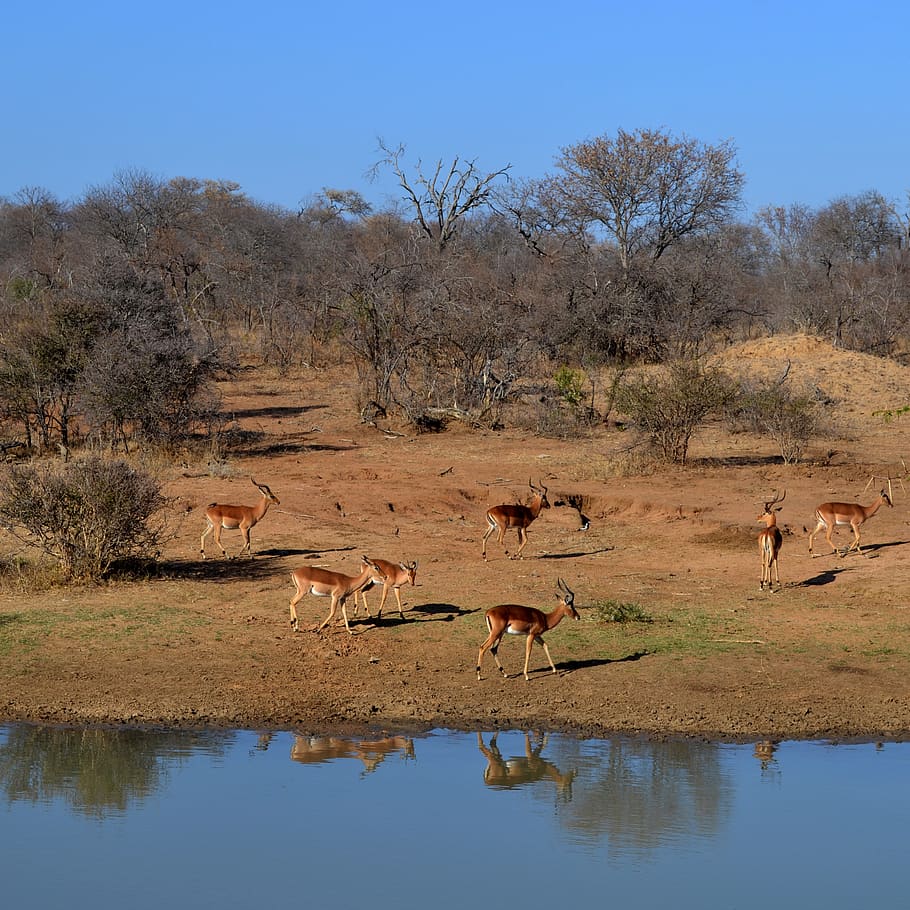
x=286, y=98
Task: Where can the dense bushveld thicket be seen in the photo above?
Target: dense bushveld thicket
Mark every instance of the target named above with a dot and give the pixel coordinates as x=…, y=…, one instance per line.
x=117, y=310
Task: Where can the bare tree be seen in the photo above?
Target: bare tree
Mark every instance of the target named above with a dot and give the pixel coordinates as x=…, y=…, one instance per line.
x=647, y=190
x=442, y=199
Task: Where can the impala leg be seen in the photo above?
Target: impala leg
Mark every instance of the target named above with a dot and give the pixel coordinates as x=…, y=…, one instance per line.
x=546, y=650
x=528, y=645
x=295, y=626
x=344, y=615
x=398, y=598
x=205, y=533
x=366, y=606
x=331, y=615
x=217, y=535
x=246, y=542
x=495, y=652
x=490, y=529
x=522, y=540
x=385, y=594
x=491, y=644
x=814, y=533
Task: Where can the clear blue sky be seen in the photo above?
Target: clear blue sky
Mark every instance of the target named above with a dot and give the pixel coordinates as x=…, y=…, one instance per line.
x=286, y=98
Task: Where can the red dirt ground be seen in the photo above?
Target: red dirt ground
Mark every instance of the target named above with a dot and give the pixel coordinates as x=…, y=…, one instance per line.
x=209, y=642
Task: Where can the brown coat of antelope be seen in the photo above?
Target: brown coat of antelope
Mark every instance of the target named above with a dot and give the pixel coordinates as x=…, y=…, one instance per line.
x=323, y=583
x=830, y=514
x=527, y=621
x=390, y=575
x=503, y=517
x=769, y=542
x=232, y=518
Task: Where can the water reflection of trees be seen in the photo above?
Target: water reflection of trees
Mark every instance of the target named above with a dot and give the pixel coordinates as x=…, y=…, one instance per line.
x=97, y=771
x=638, y=795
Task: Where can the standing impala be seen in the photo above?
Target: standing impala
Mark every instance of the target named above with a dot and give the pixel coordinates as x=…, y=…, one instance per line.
x=230, y=518
x=769, y=542
x=322, y=583
x=830, y=514
x=528, y=621
x=502, y=518
x=390, y=575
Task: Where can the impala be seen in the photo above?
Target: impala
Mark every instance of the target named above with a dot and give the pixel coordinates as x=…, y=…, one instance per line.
x=830, y=514
x=502, y=518
x=390, y=575
x=322, y=583
x=528, y=621
x=320, y=749
x=517, y=771
x=230, y=518
x=769, y=542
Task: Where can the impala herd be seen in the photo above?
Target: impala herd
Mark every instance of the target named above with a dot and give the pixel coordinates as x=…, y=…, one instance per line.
x=514, y=619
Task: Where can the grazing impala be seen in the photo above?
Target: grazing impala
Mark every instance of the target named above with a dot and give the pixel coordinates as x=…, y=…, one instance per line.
x=230, y=518
x=322, y=583
x=528, y=621
x=769, y=542
x=830, y=514
x=390, y=575
x=502, y=518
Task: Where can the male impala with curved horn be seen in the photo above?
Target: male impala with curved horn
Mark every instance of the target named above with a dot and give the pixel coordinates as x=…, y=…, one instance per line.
x=528, y=621
x=830, y=514
x=322, y=583
x=230, y=518
x=769, y=542
x=502, y=518
x=390, y=575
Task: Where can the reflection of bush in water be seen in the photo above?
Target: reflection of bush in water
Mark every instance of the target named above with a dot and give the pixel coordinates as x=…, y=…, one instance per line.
x=96, y=771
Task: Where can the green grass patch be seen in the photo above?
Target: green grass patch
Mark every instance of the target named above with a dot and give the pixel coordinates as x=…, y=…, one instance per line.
x=620, y=611
x=22, y=632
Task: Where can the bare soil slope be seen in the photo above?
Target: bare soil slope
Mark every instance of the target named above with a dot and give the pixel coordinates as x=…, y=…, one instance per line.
x=209, y=643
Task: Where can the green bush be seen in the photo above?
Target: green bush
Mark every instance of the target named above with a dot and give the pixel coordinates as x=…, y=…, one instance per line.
x=669, y=408
x=789, y=417
x=618, y=611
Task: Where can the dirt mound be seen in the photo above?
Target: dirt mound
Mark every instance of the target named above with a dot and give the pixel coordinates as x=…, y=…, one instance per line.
x=858, y=384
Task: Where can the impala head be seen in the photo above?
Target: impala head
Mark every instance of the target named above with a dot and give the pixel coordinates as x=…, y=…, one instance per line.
x=370, y=564
x=540, y=491
x=410, y=569
x=886, y=498
x=567, y=598
x=769, y=510
x=269, y=495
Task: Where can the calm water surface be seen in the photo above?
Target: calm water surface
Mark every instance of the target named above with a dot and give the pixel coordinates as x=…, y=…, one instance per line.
x=151, y=820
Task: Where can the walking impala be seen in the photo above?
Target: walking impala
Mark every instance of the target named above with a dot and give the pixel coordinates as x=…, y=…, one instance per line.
x=830, y=514
x=528, y=621
x=322, y=583
x=230, y=518
x=769, y=542
x=390, y=575
x=502, y=518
